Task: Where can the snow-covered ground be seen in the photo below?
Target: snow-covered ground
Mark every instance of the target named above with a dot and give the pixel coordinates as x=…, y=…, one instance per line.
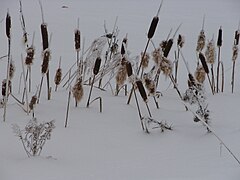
x=111, y=144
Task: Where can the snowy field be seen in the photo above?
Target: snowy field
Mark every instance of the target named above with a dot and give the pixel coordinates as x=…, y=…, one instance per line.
x=111, y=145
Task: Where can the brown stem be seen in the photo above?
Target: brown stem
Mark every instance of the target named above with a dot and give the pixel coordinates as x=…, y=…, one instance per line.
x=88, y=102
x=233, y=73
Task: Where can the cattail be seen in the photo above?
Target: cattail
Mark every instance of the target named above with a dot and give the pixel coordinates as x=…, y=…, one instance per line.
x=201, y=41
x=46, y=58
x=124, y=43
x=168, y=47
x=97, y=66
x=145, y=59
x=77, y=40
x=157, y=55
x=121, y=74
x=33, y=102
x=166, y=66
x=153, y=27
x=191, y=80
x=44, y=35
x=200, y=74
x=203, y=61
x=114, y=48
x=163, y=45
x=219, y=41
x=150, y=85
x=210, y=52
x=180, y=40
x=58, y=76
x=236, y=38
x=8, y=25
x=235, y=52
x=30, y=56
x=77, y=90
x=4, y=87
x=11, y=70
x=141, y=90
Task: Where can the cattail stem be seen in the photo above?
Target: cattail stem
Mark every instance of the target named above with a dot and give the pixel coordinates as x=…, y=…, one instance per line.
x=213, y=79
x=68, y=104
x=138, y=108
x=210, y=83
x=25, y=85
x=100, y=103
x=20, y=82
x=233, y=73
x=24, y=90
x=88, y=102
x=218, y=69
x=40, y=89
x=48, y=86
x=29, y=79
x=222, y=77
x=148, y=109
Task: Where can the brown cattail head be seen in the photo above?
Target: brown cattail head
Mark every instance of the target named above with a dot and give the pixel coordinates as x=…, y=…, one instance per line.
x=236, y=38
x=210, y=52
x=44, y=32
x=11, y=70
x=8, y=25
x=4, y=87
x=30, y=55
x=46, y=57
x=124, y=43
x=200, y=74
x=191, y=80
x=180, y=41
x=203, y=61
x=145, y=59
x=141, y=90
x=33, y=102
x=121, y=74
x=97, y=66
x=58, y=76
x=78, y=90
x=129, y=68
x=77, y=39
x=168, y=47
x=166, y=66
x=219, y=41
x=149, y=84
x=153, y=27
x=157, y=55
x=235, y=52
x=114, y=48
x=163, y=44
x=201, y=41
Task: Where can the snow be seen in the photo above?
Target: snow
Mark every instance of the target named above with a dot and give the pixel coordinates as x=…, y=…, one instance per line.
x=111, y=144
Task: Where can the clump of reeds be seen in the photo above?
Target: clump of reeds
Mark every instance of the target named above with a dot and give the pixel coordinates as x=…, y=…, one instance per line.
x=200, y=74
x=166, y=66
x=77, y=90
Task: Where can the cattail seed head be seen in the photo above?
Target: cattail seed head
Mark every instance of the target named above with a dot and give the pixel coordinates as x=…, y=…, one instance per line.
x=166, y=66
x=77, y=90
x=210, y=52
x=145, y=59
x=149, y=84
x=168, y=47
x=121, y=74
x=219, y=41
x=157, y=55
x=58, y=76
x=141, y=90
x=235, y=52
x=201, y=41
x=191, y=80
x=11, y=70
x=163, y=45
x=8, y=25
x=77, y=39
x=129, y=68
x=200, y=74
x=33, y=102
x=236, y=38
x=97, y=66
x=4, y=87
x=44, y=32
x=203, y=61
x=114, y=48
x=181, y=40
x=153, y=27
x=30, y=56
x=46, y=57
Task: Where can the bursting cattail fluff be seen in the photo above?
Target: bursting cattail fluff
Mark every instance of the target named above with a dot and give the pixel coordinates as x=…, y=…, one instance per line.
x=33, y=102
x=163, y=45
x=30, y=56
x=200, y=74
x=121, y=74
x=77, y=90
x=58, y=76
x=210, y=52
x=201, y=41
x=168, y=47
x=145, y=59
x=166, y=66
x=180, y=40
x=46, y=57
x=191, y=80
x=235, y=52
x=11, y=70
x=149, y=84
x=157, y=56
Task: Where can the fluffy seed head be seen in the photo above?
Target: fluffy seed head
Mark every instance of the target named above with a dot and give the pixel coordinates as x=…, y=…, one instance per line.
x=58, y=76
x=121, y=74
x=149, y=84
x=200, y=74
x=77, y=90
x=145, y=60
x=166, y=66
x=157, y=55
x=33, y=102
x=201, y=41
x=11, y=70
x=30, y=56
x=46, y=58
x=210, y=52
x=181, y=40
x=235, y=52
